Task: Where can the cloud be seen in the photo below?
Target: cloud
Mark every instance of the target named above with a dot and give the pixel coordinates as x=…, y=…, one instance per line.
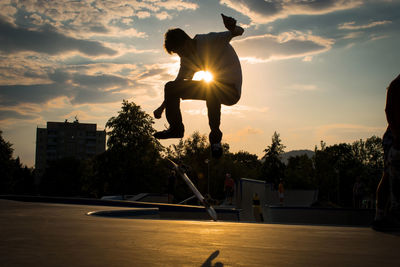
x=7, y=114
x=375, y=37
x=286, y=45
x=176, y=5
x=81, y=84
x=351, y=25
x=47, y=41
x=302, y=87
x=80, y=19
x=261, y=11
x=353, y=35
x=77, y=87
x=22, y=69
x=246, y=132
x=163, y=15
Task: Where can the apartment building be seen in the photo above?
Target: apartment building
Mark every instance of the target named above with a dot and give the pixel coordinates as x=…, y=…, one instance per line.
x=67, y=139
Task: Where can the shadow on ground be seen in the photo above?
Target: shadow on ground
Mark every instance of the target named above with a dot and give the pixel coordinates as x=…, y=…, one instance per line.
x=208, y=262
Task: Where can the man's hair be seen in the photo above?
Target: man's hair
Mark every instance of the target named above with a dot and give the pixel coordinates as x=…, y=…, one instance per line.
x=174, y=39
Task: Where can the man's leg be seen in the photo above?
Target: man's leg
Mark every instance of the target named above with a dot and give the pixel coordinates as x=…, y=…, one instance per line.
x=382, y=196
x=218, y=94
x=394, y=179
x=173, y=92
x=172, y=104
x=214, y=120
x=383, y=220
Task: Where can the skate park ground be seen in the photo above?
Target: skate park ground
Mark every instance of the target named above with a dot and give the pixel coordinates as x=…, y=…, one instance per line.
x=50, y=234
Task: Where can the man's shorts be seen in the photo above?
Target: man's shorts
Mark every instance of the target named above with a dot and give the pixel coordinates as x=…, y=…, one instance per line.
x=223, y=93
x=229, y=192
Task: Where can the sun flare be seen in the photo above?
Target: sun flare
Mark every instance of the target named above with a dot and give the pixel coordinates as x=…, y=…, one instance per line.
x=203, y=75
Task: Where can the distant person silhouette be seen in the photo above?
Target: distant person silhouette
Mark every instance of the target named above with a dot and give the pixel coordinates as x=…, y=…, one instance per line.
x=390, y=182
x=257, y=212
x=205, y=52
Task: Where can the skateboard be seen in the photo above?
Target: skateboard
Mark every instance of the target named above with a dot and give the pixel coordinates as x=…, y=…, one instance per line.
x=207, y=206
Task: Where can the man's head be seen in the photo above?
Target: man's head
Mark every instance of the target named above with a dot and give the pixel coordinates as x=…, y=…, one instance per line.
x=174, y=40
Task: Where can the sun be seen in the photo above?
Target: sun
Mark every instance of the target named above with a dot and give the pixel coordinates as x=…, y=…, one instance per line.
x=203, y=75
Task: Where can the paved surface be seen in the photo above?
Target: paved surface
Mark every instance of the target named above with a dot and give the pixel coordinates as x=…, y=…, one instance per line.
x=35, y=234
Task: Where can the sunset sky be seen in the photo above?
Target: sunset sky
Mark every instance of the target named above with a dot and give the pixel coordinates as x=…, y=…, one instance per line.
x=312, y=70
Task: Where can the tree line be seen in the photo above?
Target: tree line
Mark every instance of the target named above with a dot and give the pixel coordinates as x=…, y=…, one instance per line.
x=135, y=162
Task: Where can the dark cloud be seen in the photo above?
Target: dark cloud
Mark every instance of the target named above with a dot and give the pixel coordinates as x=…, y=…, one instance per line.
x=12, y=95
x=102, y=81
x=98, y=29
x=261, y=11
x=47, y=41
x=7, y=114
x=287, y=45
x=91, y=95
x=79, y=88
x=154, y=73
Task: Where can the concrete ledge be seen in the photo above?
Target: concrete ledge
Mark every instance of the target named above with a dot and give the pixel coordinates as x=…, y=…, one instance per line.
x=148, y=213
x=319, y=216
x=166, y=211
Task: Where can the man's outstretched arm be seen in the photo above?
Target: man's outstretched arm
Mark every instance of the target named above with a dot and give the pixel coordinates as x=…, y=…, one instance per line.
x=158, y=112
x=230, y=24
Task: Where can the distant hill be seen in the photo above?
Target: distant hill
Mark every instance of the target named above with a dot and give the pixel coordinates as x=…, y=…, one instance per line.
x=294, y=153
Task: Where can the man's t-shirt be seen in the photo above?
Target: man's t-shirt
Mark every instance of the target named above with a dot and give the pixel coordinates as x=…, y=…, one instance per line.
x=281, y=190
x=229, y=183
x=215, y=54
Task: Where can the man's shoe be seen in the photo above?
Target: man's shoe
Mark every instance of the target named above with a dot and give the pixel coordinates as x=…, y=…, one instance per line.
x=176, y=132
x=216, y=150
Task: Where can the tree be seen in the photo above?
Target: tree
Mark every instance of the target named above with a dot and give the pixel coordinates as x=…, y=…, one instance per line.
x=299, y=173
x=273, y=168
x=132, y=128
x=192, y=152
x=14, y=178
x=6, y=164
x=245, y=165
x=337, y=168
x=370, y=155
x=132, y=162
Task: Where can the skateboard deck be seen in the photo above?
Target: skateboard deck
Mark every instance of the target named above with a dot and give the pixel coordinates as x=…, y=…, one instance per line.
x=207, y=206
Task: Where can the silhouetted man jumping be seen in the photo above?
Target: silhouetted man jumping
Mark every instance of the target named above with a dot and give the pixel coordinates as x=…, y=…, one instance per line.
x=205, y=52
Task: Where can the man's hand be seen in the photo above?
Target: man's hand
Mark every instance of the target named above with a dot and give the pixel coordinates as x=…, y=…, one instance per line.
x=229, y=22
x=158, y=112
